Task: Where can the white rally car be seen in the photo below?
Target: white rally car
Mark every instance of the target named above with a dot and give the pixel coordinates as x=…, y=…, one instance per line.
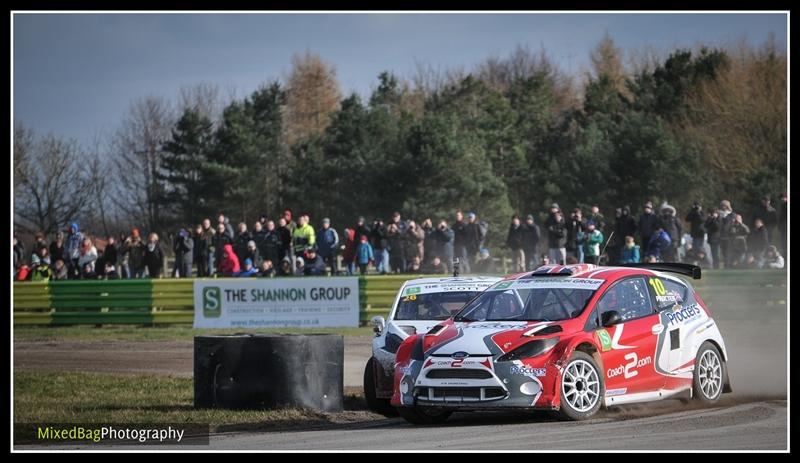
x=420, y=305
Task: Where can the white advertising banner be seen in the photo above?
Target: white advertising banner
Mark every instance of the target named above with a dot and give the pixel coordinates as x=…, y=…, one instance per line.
x=307, y=302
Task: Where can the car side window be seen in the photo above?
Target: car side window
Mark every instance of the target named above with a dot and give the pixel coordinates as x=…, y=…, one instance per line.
x=630, y=298
x=669, y=293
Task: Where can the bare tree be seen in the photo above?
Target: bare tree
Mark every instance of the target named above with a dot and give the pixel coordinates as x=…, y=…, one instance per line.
x=312, y=95
x=55, y=181
x=740, y=117
x=203, y=98
x=137, y=151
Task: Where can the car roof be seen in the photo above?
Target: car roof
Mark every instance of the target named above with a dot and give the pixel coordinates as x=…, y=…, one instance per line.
x=585, y=271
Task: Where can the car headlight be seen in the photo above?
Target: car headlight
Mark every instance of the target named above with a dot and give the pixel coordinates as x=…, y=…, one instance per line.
x=409, y=330
x=531, y=349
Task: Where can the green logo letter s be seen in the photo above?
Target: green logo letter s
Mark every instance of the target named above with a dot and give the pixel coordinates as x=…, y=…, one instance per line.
x=212, y=302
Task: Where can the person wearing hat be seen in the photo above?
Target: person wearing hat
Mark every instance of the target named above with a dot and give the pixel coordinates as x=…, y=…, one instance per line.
x=530, y=242
x=253, y=254
x=313, y=264
x=299, y=266
x=285, y=270
x=72, y=250
x=592, y=242
x=248, y=271
x=648, y=222
x=228, y=264
x=183, y=247
x=328, y=245
x=671, y=225
x=364, y=255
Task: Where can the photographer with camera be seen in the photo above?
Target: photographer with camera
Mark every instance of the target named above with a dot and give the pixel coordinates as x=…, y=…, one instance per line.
x=183, y=247
x=697, y=222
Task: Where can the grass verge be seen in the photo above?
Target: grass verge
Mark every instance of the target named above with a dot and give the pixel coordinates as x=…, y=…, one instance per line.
x=43, y=398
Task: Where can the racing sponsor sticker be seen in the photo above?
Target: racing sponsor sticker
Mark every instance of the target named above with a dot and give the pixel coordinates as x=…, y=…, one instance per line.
x=550, y=282
x=682, y=314
x=446, y=287
x=605, y=340
x=629, y=370
x=618, y=391
x=528, y=371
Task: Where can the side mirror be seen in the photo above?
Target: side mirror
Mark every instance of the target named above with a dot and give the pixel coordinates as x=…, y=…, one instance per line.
x=610, y=318
x=378, y=324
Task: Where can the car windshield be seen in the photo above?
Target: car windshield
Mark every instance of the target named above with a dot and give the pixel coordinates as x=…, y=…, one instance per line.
x=527, y=304
x=432, y=306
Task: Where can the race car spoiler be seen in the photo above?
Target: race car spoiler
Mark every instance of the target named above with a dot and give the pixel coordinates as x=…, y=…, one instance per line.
x=673, y=267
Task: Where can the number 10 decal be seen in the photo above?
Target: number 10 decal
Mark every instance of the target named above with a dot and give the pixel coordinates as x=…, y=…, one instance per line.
x=658, y=286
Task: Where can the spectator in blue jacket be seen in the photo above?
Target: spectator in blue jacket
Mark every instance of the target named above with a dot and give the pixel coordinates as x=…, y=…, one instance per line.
x=630, y=252
x=328, y=245
x=248, y=270
x=364, y=254
x=658, y=243
x=314, y=265
x=72, y=250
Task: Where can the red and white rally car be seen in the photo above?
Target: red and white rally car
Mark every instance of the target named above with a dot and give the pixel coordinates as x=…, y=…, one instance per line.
x=568, y=339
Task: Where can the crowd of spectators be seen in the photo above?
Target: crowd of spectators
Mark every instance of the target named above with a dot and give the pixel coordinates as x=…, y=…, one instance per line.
x=291, y=246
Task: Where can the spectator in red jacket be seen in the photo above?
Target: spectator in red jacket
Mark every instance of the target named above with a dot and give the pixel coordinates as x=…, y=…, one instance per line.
x=229, y=264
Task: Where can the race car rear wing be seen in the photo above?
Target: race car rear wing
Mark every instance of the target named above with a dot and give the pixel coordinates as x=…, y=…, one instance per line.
x=673, y=267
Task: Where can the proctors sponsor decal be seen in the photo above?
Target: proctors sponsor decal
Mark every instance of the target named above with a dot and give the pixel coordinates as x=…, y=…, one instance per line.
x=629, y=370
x=682, y=314
x=528, y=371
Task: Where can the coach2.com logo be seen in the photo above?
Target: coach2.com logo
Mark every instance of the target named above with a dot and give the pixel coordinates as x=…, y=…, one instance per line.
x=212, y=302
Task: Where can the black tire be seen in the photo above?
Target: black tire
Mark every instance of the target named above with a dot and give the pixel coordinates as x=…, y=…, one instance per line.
x=424, y=415
x=568, y=411
x=375, y=404
x=712, y=391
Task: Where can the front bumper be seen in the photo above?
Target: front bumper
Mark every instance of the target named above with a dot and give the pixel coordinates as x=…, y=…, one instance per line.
x=475, y=383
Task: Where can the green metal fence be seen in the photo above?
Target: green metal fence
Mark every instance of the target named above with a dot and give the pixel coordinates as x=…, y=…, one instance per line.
x=170, y=301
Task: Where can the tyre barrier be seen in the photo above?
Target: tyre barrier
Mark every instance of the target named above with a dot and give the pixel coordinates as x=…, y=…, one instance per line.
x=266, y=371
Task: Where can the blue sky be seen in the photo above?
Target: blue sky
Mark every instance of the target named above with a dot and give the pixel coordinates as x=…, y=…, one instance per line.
x=75, y=74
